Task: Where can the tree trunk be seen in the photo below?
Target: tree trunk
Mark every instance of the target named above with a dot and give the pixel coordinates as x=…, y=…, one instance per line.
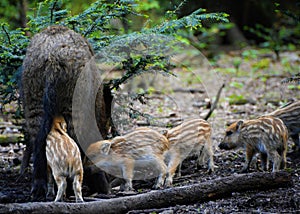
x=210, y=190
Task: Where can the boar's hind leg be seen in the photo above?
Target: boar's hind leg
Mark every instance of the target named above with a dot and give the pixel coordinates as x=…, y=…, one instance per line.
x=39, y=187
x=50, y=191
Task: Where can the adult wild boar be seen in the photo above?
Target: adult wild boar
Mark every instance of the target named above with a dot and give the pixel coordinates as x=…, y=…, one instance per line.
x=54, y=60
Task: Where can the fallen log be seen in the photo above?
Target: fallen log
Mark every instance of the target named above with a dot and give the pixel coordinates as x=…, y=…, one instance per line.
x=210, y=190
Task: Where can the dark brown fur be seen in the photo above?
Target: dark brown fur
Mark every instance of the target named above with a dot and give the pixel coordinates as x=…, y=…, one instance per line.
x=53, y=62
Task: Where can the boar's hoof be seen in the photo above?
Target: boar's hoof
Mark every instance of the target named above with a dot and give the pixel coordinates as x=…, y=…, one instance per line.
x=79, y=201
x=157, y=187
x=244, y=170
x=39, y=190
x=210, y=171
x=50, y=196
x=224, y=146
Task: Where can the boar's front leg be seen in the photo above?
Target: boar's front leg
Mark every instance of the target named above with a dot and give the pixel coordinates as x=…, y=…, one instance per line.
x=50, y=191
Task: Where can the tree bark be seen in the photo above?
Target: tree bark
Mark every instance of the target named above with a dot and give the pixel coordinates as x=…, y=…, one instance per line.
x=210, y=190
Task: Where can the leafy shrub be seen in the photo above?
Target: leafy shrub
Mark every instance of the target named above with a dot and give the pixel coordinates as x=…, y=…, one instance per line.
x=94, y=23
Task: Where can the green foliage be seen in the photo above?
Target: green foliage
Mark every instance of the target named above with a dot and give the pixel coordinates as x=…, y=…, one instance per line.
x=250, y=54
x=273, y=38
x=147, y=5
x=236, y=99
x=237, y=62
x=295, y=16
x=262, y=64
x=97, y=23
x=92, y=22
x=238, y=85
x=281, y=36
x=191, y=22
x=207, y=35
x=8, y=11
x=47, y=13
x=12, y=51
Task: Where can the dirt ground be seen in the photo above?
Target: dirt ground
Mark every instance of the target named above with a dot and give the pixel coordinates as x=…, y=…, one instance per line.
x=252, y=88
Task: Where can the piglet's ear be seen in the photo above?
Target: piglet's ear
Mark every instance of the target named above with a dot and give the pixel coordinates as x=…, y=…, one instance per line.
x=105, y=148
x=63, y=125
x=239, y=124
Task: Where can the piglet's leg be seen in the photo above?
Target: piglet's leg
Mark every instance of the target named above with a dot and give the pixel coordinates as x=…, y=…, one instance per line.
x=179, y=170
x=283, y=162
x=209, y=151
x=275, y=157
x=282, y=154
x=264, y=161
x=127, y=171
x=162, y=169
x=77, y=187
x=249, y=155
x=61, y=185
x=172, y=166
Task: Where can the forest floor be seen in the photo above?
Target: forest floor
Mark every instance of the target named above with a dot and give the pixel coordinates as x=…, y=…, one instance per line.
x=253, y=87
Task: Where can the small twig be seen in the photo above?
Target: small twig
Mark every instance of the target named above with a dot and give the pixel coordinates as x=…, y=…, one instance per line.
x=180, y=6
x=7, y=34
x=189, y=90
x=215, y=103
x=52, y=12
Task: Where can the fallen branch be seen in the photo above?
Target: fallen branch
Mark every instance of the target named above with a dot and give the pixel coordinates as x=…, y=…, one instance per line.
x=188, y=90
x=210, y=190
x=214, y=105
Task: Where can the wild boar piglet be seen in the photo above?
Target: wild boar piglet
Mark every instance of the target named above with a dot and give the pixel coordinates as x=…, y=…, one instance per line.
x=266, y=135
x=192, y=137
x=137, y=155
x=64, y=160
x=290, y=115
